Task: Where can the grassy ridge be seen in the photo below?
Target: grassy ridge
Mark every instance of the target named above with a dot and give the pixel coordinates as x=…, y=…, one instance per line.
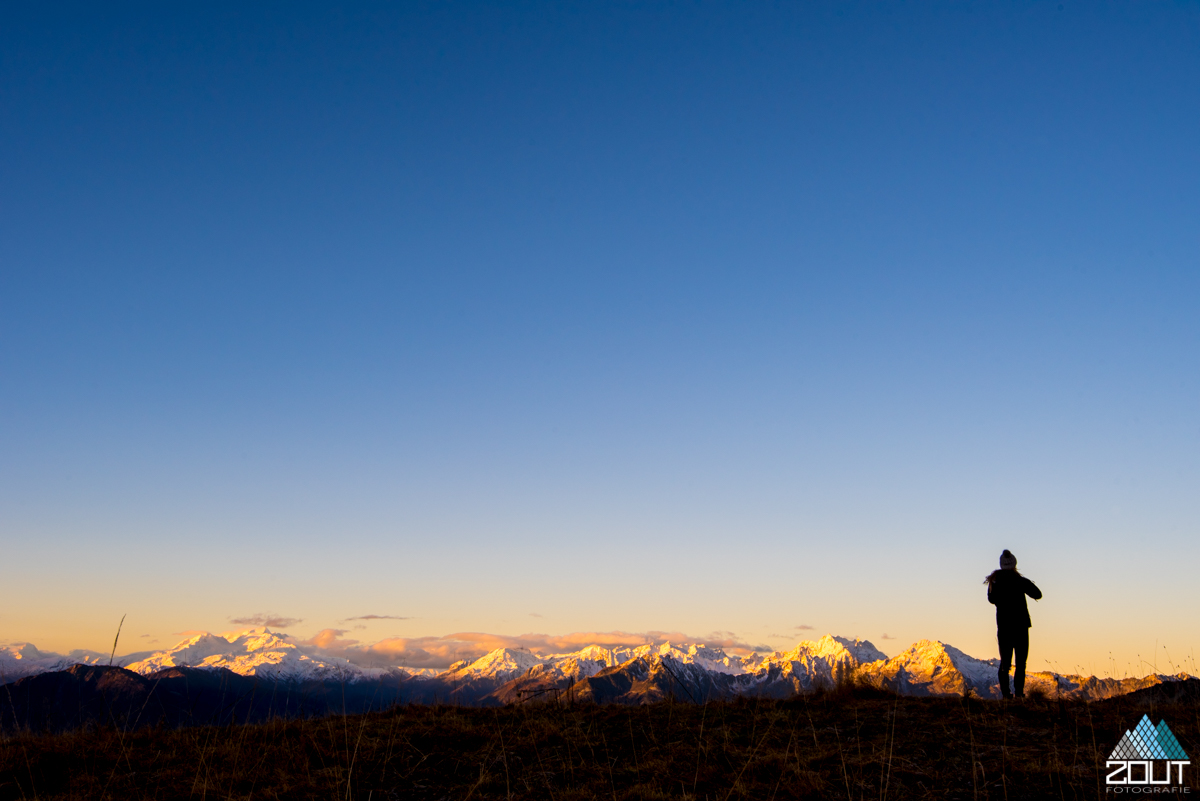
x=845, y=744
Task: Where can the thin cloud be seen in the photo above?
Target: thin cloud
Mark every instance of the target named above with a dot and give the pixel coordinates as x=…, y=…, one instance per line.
x=886, y=636
x=804, y=627
x=534, y=614
x=375, y=617
x=270, y=621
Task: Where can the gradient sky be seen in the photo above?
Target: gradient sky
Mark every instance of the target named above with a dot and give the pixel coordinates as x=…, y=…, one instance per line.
x=548, y=318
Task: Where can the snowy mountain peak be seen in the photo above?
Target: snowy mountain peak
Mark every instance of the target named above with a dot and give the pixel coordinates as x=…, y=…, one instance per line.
x=21, y=659
x=863, y=651
x=591, y=653
x=262, y=641
x=934, y=664
x=501, y=662
x=21, y=650
x=710, y=658
x=831, y=650
x=251, y=653
x=578, y=666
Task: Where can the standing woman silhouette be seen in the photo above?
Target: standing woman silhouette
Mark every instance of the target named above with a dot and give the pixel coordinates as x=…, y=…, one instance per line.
x=1007, y=590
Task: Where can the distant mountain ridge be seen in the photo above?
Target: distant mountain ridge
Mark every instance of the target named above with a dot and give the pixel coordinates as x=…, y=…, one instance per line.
x=627, y=675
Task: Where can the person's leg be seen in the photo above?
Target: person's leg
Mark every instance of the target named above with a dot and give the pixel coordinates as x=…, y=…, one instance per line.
x=1021, y=643
x=1006, y=650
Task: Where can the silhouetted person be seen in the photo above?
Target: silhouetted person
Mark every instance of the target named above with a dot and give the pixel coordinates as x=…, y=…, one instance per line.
x=1007, y=590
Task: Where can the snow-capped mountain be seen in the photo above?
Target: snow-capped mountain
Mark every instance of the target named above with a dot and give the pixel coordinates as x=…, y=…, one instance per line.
x=713, y=660
x=21, y=659
x=255, y=653
x=640, y=674
x=934, y=668
x=501, y=664
x=814, y=664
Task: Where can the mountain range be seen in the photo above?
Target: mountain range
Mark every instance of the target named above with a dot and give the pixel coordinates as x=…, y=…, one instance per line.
x=626, y=675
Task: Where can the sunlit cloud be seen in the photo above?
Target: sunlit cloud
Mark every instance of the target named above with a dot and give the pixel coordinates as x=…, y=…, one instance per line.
x=330, y=640
x=270, y=621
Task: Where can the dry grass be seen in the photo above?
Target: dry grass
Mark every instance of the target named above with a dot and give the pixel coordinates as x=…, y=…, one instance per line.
x=853, y=744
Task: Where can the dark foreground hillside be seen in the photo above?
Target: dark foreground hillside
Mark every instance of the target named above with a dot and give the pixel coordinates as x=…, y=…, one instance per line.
x=844, y=744
x=84, y=695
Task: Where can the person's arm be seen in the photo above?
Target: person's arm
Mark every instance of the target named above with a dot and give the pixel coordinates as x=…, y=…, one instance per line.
x=992, y=592
x=1032, y=591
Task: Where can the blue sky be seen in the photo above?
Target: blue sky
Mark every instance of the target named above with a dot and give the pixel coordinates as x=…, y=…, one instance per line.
x=686, y=317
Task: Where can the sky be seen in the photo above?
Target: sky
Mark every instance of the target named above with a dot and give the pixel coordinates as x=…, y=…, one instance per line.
x=746, y=322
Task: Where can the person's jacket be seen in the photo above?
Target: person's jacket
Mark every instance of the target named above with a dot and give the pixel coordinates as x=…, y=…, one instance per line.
x=1007, y=590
